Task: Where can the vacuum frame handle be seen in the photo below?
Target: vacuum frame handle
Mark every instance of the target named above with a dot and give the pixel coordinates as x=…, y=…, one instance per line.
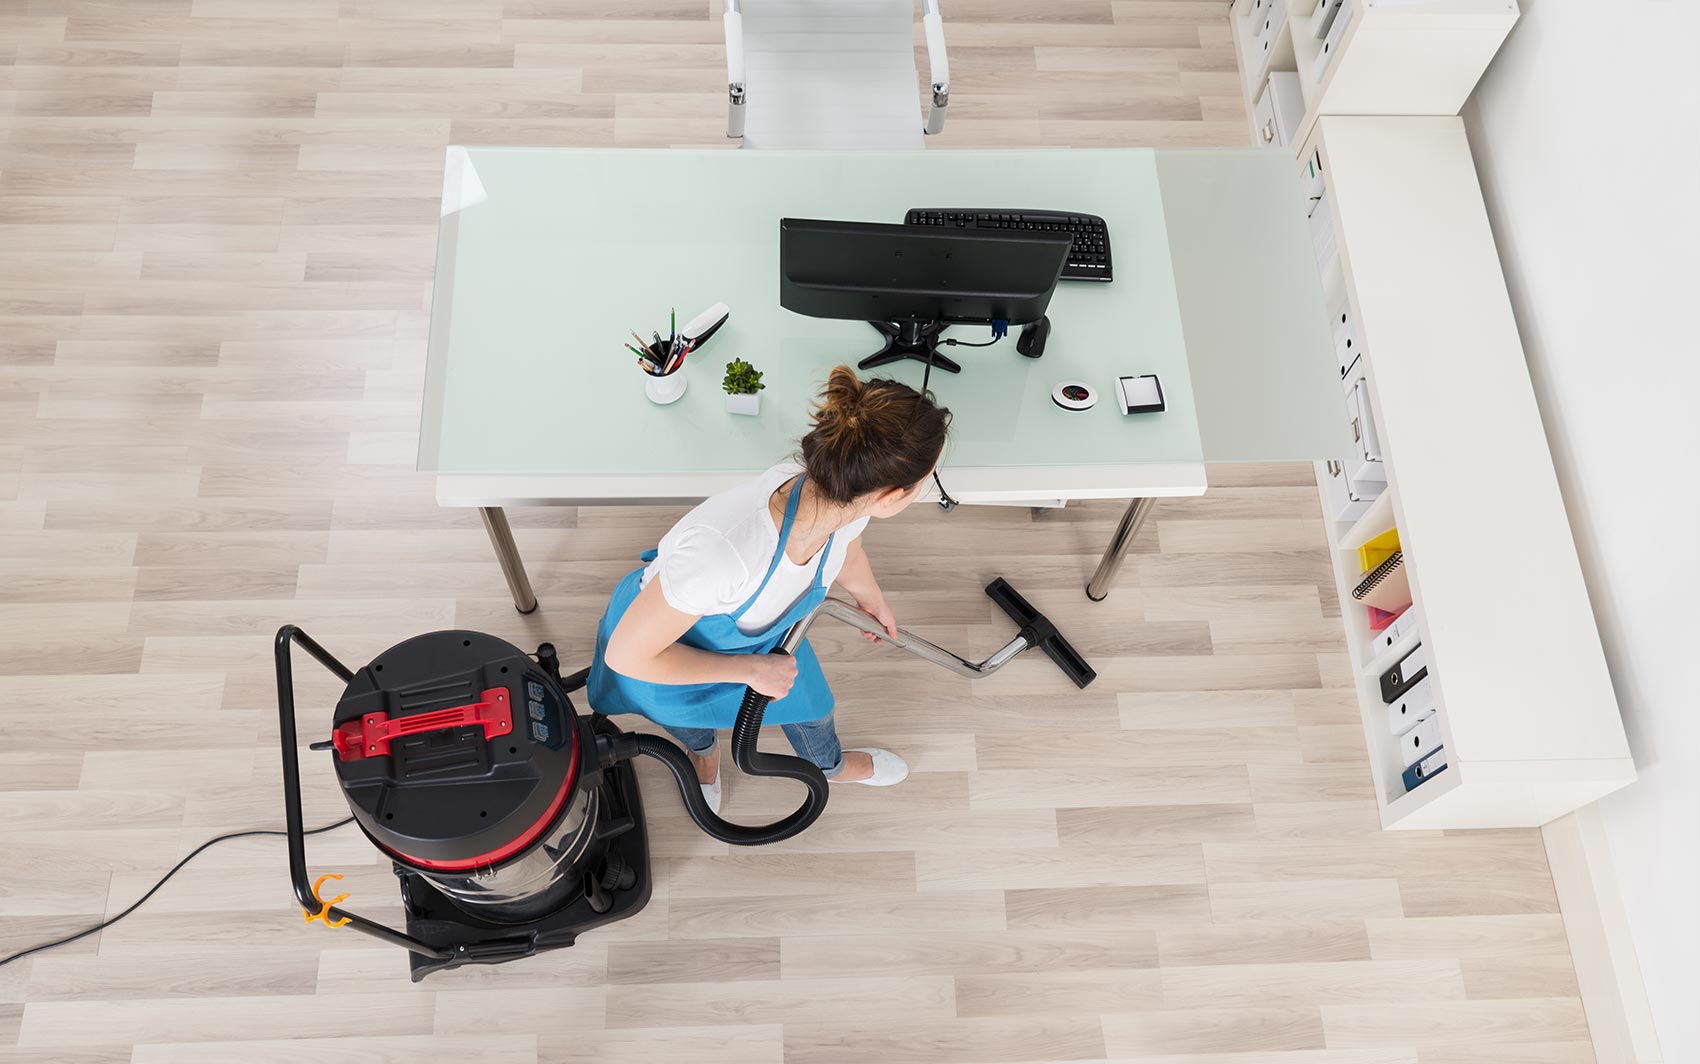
x=295, y=832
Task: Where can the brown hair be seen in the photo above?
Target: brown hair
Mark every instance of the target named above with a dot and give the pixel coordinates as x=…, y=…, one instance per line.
x=872, y=435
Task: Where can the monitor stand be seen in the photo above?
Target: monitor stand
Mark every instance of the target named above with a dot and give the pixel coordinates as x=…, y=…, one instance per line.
x=909, y=339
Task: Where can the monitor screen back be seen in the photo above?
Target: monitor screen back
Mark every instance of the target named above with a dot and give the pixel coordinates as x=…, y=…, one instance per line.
x=867, y=271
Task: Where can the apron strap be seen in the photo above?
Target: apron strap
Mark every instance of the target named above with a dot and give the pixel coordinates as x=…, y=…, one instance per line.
x=820, y=567
x=779, y=552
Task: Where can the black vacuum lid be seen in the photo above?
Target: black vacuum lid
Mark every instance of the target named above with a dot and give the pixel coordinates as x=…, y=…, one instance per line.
x=454, y=749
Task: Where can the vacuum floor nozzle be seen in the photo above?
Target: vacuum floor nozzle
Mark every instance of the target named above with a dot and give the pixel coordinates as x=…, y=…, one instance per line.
x=1038, y=630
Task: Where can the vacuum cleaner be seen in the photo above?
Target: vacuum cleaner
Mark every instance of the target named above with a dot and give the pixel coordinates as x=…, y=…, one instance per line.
x=513, y=821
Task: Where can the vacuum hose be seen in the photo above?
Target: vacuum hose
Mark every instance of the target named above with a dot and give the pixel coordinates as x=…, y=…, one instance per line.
x=1035, y=630
x=751, y=761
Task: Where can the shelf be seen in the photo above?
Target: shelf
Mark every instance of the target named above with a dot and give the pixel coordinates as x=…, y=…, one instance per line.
x=1389, y=59
x=1526, y=712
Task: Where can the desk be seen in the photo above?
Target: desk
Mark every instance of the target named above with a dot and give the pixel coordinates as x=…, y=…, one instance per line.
x=546, y=258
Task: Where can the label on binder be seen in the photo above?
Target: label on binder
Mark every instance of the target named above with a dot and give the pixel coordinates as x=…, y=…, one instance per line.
x=1429, y=766
x=1413, y=667
x=1393, y=632
x=1411, y=708
x=1421, y=741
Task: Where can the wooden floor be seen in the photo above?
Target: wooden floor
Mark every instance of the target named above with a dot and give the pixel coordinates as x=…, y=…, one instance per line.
x=216, y=233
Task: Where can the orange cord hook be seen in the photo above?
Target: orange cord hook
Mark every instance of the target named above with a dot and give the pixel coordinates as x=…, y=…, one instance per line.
x=325, y=906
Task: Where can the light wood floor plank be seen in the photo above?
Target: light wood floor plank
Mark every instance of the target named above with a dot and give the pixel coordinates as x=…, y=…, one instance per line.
x=218, y=224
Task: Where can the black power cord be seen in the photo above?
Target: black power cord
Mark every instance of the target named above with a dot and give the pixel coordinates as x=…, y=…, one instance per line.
x=104, y=924
x=999, y=329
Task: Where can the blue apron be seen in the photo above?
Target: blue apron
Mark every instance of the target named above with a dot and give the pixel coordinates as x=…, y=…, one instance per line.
x=715, y=705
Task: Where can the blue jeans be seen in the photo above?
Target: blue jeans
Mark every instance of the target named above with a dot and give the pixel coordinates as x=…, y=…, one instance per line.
x=814, y=740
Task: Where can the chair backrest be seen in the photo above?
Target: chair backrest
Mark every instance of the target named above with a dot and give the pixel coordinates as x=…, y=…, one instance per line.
x=827, y=73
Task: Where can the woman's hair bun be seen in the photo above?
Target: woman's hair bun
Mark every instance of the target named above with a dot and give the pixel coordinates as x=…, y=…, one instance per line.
x=871, y=435
x=839, y=409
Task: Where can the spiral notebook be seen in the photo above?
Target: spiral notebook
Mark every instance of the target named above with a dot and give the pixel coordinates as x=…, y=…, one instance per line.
x=1387, y=586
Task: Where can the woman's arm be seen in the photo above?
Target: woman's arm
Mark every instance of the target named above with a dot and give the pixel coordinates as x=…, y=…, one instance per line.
x=857, y=577
x=645, y=647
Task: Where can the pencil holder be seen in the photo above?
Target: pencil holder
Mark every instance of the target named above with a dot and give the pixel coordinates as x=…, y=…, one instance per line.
x=663, y=388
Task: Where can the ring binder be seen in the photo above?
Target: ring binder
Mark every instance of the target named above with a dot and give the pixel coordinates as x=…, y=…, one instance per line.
x=1378, y=574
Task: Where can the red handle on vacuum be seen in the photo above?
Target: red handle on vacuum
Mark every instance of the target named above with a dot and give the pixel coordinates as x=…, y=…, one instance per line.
x=370, y=736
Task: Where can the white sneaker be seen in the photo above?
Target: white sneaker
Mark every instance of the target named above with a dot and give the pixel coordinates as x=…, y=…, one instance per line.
x=711, y=792
x=889, y=769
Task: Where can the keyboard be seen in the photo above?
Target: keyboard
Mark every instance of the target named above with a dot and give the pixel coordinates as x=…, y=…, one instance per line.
x=1088, y=257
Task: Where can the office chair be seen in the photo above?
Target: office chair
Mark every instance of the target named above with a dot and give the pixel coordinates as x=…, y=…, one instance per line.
x=831, y=73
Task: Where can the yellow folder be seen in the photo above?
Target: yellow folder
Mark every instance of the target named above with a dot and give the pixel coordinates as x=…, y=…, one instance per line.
x=1378, y=550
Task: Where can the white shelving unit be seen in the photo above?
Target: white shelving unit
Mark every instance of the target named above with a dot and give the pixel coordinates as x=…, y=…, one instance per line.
x=1385, y=57
x=1524, y=703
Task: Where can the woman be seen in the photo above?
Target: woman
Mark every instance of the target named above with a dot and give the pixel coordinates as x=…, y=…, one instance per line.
x=684, y=634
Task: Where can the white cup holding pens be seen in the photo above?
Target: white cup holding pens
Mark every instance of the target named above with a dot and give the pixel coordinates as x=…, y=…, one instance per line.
x=661, y=362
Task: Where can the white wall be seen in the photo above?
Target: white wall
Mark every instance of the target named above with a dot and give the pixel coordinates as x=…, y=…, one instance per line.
x=1586, y=132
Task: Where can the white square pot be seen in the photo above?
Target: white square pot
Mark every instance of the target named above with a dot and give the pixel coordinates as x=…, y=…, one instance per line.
x=744, y=404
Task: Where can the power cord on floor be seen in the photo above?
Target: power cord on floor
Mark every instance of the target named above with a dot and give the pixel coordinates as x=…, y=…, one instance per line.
x=104, y=924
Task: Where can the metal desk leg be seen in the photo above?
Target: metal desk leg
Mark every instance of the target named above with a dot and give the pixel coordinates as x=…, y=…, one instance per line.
x=507, y=553
x=1120, y=543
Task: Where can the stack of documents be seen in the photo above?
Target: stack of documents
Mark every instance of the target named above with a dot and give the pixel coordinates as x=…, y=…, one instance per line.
x=1408, y=693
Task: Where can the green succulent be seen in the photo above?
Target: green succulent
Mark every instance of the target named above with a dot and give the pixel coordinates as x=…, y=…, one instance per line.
x=742, y=378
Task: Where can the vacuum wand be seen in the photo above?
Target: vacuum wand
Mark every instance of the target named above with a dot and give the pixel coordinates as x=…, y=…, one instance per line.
x=1036, y=631
x=839, y=610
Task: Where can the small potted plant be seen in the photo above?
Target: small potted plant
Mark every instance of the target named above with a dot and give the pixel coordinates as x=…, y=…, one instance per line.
x=743, y=387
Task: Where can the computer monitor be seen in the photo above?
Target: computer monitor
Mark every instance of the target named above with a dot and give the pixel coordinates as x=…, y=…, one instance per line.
x=909, y=282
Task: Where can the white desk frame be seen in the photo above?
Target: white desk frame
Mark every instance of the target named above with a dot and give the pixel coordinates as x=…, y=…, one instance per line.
x=1049, y=486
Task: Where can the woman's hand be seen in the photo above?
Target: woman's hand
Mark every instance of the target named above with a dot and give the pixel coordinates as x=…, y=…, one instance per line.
x=857, y=577
x=879, y=611
x=771, y=674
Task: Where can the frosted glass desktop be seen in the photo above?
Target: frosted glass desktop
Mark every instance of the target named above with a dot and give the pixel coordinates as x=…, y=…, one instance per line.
x=548, y=258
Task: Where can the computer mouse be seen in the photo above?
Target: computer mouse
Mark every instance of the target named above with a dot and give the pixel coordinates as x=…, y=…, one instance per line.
x=1031, y=342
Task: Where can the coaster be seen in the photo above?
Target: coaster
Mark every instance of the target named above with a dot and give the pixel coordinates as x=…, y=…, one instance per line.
x=1074, y=395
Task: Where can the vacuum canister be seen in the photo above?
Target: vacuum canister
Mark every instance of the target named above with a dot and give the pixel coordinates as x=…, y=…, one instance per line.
x=460, y=760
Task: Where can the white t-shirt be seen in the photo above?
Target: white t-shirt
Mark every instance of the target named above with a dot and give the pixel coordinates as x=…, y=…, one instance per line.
x=714, y=559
